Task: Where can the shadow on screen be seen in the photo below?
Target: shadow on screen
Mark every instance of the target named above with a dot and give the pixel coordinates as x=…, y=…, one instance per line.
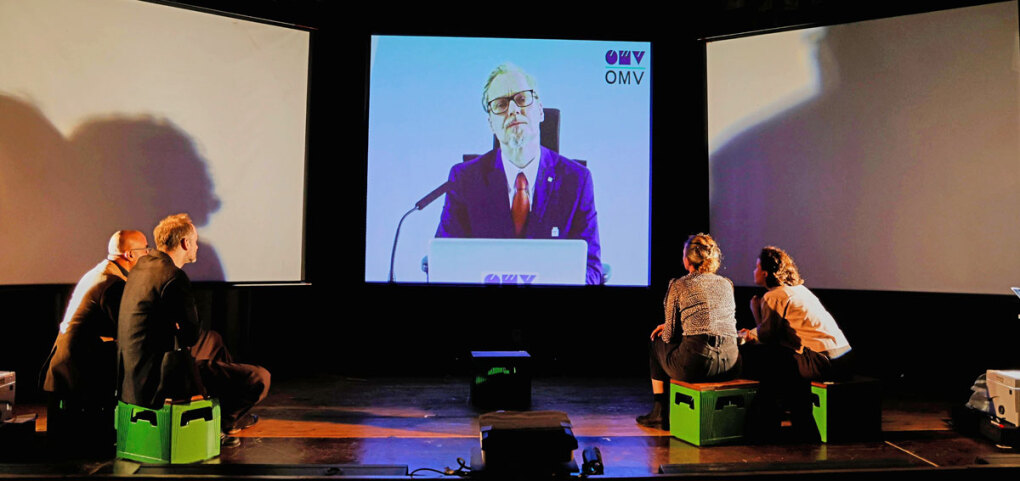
x=61, y=198
x=853, y=182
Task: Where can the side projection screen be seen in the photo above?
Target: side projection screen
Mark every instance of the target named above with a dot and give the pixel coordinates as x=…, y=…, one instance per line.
x=882, y=155
x=536, y=154
x=116, y=113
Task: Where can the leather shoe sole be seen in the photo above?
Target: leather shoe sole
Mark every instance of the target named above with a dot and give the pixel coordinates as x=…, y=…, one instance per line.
x=229, y=441
x=245, y=422
x=653, y=422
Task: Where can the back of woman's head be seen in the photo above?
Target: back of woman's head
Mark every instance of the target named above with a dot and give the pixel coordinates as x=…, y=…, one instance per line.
x=779, y=268
x=702, y=253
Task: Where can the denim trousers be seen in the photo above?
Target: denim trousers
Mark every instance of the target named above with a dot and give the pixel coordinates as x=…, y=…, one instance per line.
x=697, y=358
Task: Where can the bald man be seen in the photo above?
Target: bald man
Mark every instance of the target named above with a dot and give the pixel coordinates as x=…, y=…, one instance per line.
x=81, y=371
x=80, y=366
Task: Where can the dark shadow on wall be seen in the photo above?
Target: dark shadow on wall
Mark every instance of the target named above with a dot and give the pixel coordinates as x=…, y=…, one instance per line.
x=61, y=198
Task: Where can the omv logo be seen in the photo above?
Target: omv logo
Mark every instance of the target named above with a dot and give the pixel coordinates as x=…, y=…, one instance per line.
x=508, y=278
x=623, y=67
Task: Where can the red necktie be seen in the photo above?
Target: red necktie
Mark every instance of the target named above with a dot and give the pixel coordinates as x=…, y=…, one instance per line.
x=519, y=210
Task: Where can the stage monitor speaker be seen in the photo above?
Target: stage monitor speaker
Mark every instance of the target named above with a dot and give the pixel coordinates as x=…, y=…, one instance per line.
x=501, y=380
x=534, y=442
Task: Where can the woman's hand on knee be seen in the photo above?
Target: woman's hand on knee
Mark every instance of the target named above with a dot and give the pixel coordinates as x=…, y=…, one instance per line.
x=657, y=332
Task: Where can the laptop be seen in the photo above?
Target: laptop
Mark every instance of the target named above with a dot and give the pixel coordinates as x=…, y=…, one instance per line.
x=1016, y=290
x=508, y=261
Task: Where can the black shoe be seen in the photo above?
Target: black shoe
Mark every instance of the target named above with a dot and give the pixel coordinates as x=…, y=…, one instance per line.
x=652, y=420
x=229, y=441
x=659, y=417
x=246, y=421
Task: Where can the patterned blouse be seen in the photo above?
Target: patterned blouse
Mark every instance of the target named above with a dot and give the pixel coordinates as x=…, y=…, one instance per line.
x=704, y=305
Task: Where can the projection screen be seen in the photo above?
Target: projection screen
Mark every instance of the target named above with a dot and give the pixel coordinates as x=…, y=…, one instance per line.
x=882, y=155
x=117, y=113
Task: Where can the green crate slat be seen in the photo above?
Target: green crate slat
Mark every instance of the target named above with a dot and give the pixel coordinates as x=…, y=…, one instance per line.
x=176, y=433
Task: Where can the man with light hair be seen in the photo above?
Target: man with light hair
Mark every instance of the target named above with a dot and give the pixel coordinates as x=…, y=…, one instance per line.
x=521, y=189
x=158, y=308
x=80, y=374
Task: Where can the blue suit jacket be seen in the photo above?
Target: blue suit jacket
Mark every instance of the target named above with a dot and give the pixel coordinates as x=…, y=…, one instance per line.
x=478, y=205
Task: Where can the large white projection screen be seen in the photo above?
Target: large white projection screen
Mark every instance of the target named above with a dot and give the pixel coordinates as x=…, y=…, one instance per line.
x=882, y=155
x=117, y=113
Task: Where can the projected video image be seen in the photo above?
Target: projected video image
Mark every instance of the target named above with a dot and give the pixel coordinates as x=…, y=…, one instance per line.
x=536, y=153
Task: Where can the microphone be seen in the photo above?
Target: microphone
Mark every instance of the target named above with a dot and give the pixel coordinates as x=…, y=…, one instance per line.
x=421, y=204
x=425, y=201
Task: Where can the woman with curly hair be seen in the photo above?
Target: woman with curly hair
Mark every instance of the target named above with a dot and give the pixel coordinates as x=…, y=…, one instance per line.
x=698, y=340
x=796, y=340
x=790, y=316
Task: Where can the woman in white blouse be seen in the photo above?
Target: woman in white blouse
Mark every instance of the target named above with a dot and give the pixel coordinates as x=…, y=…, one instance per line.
x=795, y=341
x=791, y=318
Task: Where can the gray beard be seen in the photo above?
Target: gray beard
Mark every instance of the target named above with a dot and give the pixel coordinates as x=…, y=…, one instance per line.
x=519, y=154
x=515, y=141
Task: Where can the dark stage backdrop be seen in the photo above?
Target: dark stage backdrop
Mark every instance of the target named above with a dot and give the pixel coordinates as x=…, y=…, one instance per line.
x=924, y=341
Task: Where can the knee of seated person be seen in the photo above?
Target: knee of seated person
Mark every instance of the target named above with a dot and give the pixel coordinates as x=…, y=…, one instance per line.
x=261, y=381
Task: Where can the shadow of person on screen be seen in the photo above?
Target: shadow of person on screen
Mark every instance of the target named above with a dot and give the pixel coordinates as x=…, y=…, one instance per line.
x=38, y=196
x=167, y=175
x=845, y=179
x=67, y=195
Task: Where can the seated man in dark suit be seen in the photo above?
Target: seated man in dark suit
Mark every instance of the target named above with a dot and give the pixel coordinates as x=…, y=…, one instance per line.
x=80, y=373
x=521, y=189
x=158, y=306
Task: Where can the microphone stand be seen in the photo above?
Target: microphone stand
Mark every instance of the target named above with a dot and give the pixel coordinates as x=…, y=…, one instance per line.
x=421, y=204
x=393, y=253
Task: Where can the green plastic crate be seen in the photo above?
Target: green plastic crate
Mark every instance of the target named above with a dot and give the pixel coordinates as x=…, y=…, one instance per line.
x=704, y=414
x=177, y=433
x=847, y=411
x=502, y=380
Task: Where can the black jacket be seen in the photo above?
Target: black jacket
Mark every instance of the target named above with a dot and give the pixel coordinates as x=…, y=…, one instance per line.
x=157, y=302
x=81, y=366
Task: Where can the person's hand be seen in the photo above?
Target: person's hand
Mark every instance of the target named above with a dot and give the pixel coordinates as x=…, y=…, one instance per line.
x=755, y=304
x=657, y=332
x=747, y=335
x=756, y=309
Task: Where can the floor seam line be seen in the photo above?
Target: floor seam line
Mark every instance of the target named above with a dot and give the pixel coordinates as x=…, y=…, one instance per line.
x=912, y=454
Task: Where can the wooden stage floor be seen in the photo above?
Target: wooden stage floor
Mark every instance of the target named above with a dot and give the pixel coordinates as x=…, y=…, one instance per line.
x=429, y=423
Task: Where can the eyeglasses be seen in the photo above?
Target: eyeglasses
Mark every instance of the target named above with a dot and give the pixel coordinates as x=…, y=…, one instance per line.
x=500, y=105
x=145, y=250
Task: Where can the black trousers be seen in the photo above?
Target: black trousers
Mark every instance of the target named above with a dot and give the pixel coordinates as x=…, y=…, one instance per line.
x=786, y=377
x=80, y=426
x=697, y=358
x=238, y=386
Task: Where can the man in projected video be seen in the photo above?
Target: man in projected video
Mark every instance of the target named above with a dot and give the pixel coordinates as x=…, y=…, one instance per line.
x=521, y=189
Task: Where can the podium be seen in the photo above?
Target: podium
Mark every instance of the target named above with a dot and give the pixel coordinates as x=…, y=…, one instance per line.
x=508, y=261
